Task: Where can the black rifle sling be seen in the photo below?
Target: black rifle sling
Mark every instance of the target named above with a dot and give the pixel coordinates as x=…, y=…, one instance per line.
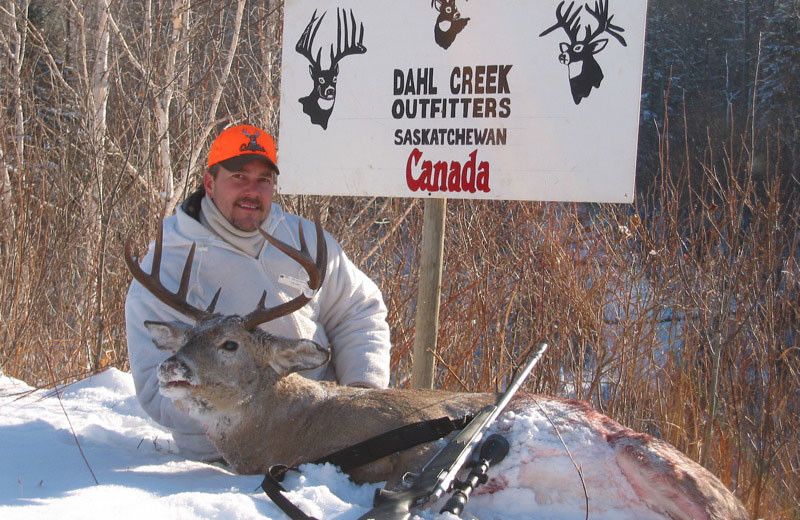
x=272, y=487
x=362, y=453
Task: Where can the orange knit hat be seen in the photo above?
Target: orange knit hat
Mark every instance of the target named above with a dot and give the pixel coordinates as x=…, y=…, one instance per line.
x=238, y=145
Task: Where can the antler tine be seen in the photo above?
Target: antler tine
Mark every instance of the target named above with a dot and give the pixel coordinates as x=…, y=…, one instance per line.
x=306, y=41
x=315, y=269
x=322, y=249
x=568, y=21
x=604, y=24
x=152, y=283
x=213, y=304
x=183, y=289
x=345, y=44
x=155, y=268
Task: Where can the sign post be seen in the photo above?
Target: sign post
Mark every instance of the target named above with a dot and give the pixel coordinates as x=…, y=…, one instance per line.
x=429, y=293
x=449, y=99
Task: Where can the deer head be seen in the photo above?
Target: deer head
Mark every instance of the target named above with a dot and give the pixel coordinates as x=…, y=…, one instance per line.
x=319, y=103
x=448, y=24
x=578, y=53
x=223, y=357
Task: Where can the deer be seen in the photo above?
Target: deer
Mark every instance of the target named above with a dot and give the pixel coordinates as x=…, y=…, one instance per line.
x=448, y=24
x=578, y=54
x=318, y=105
x=245, y=386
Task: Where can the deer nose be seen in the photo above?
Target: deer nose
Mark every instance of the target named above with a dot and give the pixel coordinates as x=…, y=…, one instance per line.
x=325, y=351
x=172, y=369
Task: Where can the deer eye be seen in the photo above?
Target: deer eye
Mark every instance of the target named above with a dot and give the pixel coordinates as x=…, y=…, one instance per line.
x=321, y=80
x=578, y=48
x=448, y=10
x=230, y=346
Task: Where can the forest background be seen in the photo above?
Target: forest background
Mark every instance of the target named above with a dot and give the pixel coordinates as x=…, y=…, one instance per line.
x=677, y=315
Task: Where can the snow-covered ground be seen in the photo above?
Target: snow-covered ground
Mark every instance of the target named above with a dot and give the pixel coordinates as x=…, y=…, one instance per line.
x=132, y=469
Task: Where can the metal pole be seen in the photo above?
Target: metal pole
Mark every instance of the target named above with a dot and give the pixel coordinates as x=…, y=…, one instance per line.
x=429, y=293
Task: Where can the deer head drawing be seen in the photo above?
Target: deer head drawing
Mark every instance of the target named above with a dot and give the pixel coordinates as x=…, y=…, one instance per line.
x=319, y=103
x=448, y=24
x=578, y=54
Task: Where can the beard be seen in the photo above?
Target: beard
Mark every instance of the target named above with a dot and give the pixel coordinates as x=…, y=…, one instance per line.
x=252, y=219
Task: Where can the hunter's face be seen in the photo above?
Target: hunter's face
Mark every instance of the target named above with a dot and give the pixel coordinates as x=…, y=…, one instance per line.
x=243, y=197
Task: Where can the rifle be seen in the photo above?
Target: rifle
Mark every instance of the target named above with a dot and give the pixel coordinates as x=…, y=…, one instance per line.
x=438, y=475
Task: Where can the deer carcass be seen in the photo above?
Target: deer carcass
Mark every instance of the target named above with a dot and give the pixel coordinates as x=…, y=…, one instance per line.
x=242, y=384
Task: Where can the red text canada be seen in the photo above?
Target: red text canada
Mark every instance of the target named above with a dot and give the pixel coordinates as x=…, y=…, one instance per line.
x=452, y=176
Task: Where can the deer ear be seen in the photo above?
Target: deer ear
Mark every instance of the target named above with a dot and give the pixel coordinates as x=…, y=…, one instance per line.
x=294, y=355
x=168, y=336
x=599, y=45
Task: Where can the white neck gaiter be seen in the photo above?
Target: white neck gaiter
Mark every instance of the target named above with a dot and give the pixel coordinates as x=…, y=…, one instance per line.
x=250, y=242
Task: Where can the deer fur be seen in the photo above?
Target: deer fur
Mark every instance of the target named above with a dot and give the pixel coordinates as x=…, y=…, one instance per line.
x=243, y=386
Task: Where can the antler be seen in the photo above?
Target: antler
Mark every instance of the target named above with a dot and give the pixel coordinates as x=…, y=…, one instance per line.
x=315, y=270
x=306, y=41
x=346, y=43
x=177, y=300
x=603, y=23
x=568, y=21
x=152, y=282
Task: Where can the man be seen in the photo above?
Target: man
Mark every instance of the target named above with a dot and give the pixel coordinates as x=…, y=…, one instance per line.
x=223, y=217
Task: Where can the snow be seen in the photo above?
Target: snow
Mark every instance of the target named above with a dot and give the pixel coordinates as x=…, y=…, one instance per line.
x=140, y=475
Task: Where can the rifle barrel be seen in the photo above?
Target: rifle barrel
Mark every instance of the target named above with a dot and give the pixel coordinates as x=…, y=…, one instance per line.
x=521, y=377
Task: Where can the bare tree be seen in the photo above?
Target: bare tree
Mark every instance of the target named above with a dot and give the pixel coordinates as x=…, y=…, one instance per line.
x=14, y=36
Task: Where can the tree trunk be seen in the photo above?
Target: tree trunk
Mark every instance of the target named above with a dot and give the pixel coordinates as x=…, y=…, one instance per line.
x=98, y=104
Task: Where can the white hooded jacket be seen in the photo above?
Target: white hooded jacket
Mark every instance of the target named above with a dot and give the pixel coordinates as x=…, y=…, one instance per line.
x=347, y=314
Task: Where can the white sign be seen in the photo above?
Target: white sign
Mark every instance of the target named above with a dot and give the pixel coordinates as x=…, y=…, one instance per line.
x=519, y=99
